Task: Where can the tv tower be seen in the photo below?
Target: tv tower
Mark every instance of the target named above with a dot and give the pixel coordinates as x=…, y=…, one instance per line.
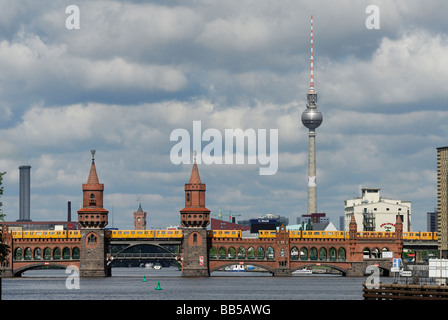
x=312, y=118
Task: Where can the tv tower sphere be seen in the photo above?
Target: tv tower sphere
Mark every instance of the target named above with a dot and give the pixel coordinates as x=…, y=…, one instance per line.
x=312, y=117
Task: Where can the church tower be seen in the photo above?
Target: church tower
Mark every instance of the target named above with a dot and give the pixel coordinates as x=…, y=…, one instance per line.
x=92, y=218
x=195, y=217
x=140, y=218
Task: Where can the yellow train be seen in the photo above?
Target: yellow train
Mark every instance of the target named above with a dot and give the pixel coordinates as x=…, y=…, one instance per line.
x=144, y=234
x=176, y=234
x=114, y=234
x=263, y=234
x=224, y=233
x=315, y=234
x=420, y=235
x=373, y=234
x=308, y=234
x=320, y=234
x=46, y=234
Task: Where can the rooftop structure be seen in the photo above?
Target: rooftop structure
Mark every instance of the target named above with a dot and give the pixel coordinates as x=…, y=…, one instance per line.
x=375, y=213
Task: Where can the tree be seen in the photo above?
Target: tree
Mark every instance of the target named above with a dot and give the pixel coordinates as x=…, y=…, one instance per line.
x=2, y=216
x=4, y=249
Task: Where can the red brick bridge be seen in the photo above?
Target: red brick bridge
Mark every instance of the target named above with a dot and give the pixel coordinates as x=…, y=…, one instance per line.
x=281, y=255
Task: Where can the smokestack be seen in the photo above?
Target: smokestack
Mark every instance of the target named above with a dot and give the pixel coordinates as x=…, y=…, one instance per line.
x=69, y=211
x=24, y=188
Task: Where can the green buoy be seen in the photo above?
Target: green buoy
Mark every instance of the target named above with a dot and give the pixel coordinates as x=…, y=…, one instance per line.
x=144, y=279
x=158, y=286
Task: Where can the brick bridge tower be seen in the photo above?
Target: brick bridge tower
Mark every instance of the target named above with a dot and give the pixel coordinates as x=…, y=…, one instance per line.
x=92, y=218
x=194, y=218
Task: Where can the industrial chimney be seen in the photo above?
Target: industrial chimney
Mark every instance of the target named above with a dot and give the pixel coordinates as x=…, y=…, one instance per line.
x=24, y=188
x=69, y=211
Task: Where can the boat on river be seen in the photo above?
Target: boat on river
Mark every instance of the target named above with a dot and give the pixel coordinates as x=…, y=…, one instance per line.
x=235, y=268
x=303, y=271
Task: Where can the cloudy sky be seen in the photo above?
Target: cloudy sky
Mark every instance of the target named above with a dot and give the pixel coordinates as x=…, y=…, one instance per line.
x=137, y=70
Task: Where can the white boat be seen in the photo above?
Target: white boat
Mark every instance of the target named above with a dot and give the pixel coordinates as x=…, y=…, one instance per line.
x=303, y=271
x=149, y=265
x=157, y=267
x=238, y=268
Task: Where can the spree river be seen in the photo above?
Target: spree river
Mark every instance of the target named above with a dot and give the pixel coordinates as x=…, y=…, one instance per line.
x=129, y=284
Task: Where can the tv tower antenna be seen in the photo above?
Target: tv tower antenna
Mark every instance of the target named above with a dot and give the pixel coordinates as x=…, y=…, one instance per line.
x=312, y=119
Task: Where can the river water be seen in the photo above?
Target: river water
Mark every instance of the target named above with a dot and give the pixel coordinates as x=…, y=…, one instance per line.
x=128, y=284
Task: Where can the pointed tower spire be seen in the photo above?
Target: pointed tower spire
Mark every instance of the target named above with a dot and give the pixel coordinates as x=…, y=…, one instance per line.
x=93, y=176
x=195, y=178
x=93, y=189
x=312, y=59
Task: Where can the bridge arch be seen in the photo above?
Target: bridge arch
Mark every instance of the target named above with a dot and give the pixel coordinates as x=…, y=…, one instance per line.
x=260, y=253
x=50, y=265
x=322, y=253
x=133, y=246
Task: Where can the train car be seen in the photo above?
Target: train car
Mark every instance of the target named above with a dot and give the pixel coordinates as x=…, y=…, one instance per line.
x=73, y=234
x=420, y=235
x=44, y=234
x=168, y=234
x=374, y=234
x=262, y=234
x=426, y=236
x=316, y=234
x=335, y=234
x=17, y=234
x=147, y=234
x=224, y=233
x=131, y=234
x=411, y=235
x=295, y=234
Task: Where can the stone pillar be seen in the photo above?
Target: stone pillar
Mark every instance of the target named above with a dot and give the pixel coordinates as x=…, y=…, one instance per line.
x=195, y=253
x=282, y=252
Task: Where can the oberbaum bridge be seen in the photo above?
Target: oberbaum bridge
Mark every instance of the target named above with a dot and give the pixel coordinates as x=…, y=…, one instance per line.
x=90, y=251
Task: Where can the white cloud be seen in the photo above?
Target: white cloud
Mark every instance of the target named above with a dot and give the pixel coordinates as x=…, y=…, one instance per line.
x=409, y=69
